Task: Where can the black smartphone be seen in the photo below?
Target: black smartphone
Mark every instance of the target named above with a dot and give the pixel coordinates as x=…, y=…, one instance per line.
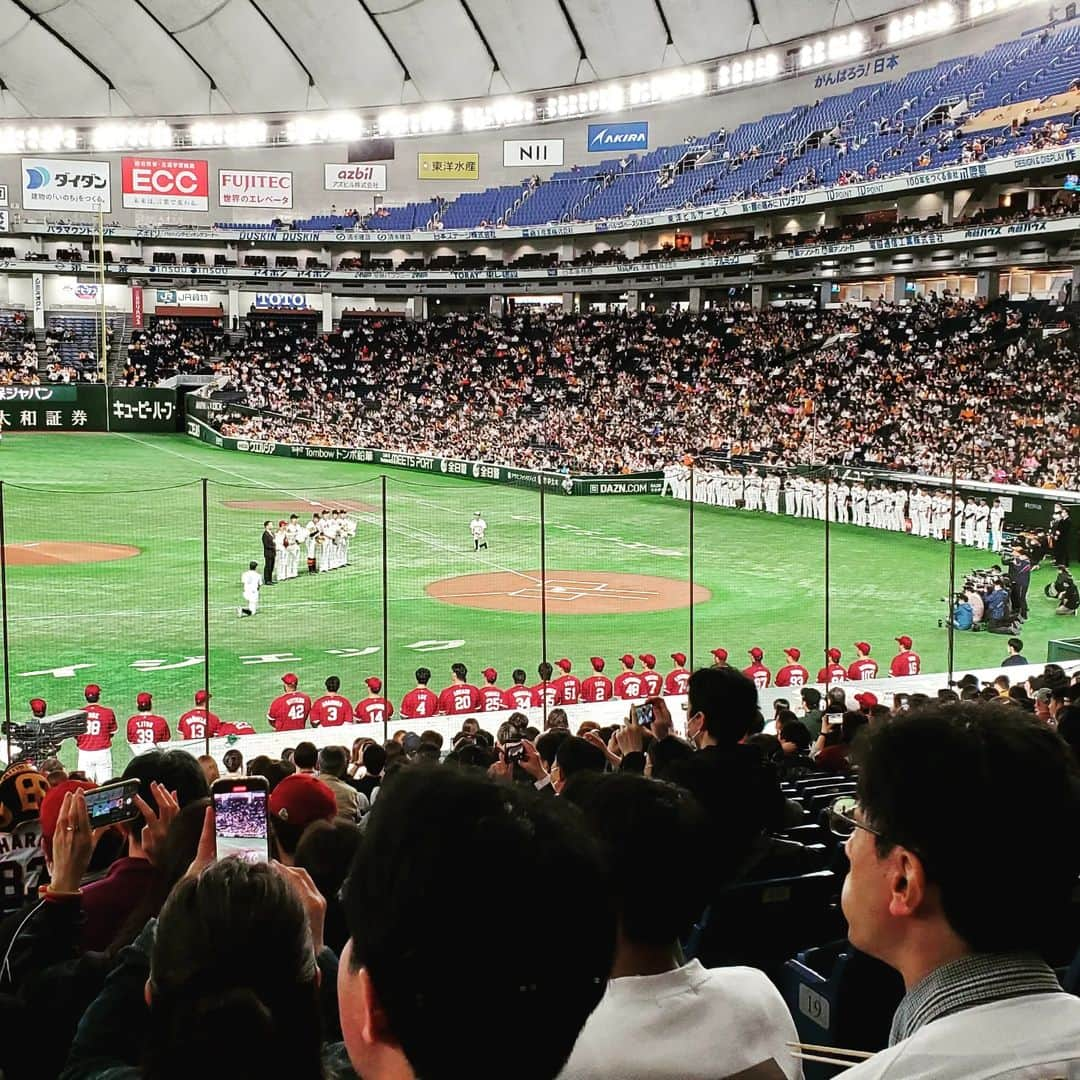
x=514, y=751
x=643, y=714
x=112, y=803
x=241, y=819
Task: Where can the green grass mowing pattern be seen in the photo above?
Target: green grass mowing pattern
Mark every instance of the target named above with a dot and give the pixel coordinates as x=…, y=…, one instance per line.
x=765, y=575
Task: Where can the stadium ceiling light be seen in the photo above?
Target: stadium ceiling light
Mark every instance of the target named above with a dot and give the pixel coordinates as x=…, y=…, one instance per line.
x=234, y=133
x=978, y=8
x=929, y=19
x=748, y=69
x=15, y=140
x=156, y=135
x=841, y=46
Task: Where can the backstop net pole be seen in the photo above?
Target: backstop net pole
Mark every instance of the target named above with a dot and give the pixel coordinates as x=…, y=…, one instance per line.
x=951, y=629
x=828, y=515
x=206, y=603
x=543, y=592
x=4, y=618
x=385, y=602
x=690, y=552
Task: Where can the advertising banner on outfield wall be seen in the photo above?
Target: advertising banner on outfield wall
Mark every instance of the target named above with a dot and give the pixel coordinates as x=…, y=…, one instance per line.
x=186, y=298
x=59, y=184
x=255, y=187
x=529, y=153
x=448, y=166
x=157, y=183
x=85, y=408
x=276, y=301
x=354, y=177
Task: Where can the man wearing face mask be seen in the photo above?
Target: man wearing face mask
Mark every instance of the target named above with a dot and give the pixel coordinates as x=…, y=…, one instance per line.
x=737, y=787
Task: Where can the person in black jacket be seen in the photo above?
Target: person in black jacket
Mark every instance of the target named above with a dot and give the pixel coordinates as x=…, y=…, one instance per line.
x=1019, y=581
x=1060, y=533
x=269, y=553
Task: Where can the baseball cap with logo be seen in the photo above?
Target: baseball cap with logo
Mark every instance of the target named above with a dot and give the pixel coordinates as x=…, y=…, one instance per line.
x=597, y=663
x=144, y=700
x=833, y=655
x=648, y=659
x=92, y=692
x=373, y=683
x=679, y=658
x=289, y=679
x=50, y=809
x=564, y=664
x=202, y=697
x=792, y=652
x=301, y=799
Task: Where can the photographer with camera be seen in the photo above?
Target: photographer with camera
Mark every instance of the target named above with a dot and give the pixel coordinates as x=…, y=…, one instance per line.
x=1063, y=589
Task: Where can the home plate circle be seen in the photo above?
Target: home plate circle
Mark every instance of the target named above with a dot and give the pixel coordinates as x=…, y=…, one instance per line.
x=567, y=592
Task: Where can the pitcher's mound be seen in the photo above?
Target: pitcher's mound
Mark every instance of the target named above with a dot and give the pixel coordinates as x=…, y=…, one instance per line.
x=567, y=592
x=300, y=506
x=60, y=553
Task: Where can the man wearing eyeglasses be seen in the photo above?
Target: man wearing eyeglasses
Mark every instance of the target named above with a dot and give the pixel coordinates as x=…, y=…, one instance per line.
x=963, y=847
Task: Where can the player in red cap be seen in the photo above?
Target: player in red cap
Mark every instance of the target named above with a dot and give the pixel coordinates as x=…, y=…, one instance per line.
x=864, y=666
x=234, y=727
x=460, y=696
x=651, y=679
x=757, y=671
x=491, y=697
x=628, y=684
x=518, y=696
x=38, y=708
x=678, y=677
x=332, y=709
x=200, y=722
x=289, y=711
x=374, y=709
x=596, y=687
x=421, y=701
x=545, y=694
x=568, y=686
x=792, y=673
x=95, y=744
x=720, y=657
x=905, y=662
x=833, y=673
x=146, y=729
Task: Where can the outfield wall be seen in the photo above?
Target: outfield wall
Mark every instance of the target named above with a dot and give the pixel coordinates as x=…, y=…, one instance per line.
x=89, y=407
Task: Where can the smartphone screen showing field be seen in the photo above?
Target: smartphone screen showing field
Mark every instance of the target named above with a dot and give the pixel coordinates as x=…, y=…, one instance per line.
x=241, y=824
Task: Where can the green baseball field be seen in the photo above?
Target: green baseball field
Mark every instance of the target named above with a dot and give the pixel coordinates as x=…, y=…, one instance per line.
x=105, y=579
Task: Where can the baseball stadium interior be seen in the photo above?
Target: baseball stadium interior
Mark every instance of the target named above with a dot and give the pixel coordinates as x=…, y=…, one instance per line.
x=537, y=539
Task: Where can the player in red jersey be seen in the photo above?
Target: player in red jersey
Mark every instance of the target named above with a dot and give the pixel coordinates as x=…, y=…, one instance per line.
x=374, y=709
x=330, y=710
x=421, y=701
x=596, y=687
x=568, y=686
x=234, y=727
x=198, y=723
x=519, y=696
x=95, y=744
x=864, y=666
x=905, y=662
x=460, y=696
x=720, y=657
x=545, y=694
x=491, y=697
x=628, y=684
x=146, y=729
x=678, y=677
x=792, y=673
x=757, y=671
x=651, y=679
x=833, y=673
x=289, y=711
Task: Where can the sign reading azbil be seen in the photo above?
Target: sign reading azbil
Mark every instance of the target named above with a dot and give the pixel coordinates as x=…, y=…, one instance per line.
x=165, y=183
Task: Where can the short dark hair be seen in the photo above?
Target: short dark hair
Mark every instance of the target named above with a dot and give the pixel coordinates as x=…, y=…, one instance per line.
x=657, y=898
x=852, y=723
x=519, y=676
x=333, y=760
x=232, y=755
x=374, y=759
x=423, y=676
x=432, y=737
x=177, y=770
x=460, y=670
x=305, y=755
x=728, y=700
x=795, y=731
x=544, y=669
x=1015, y=644
x=333, y=684
x=811, y=696
x=253, y=565
x=548, y=744
x=432, y=832
x=576, y=755
x=968, y=755
x=557, y=718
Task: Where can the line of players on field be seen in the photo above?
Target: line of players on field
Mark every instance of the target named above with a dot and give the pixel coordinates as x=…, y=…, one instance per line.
x=324, y=540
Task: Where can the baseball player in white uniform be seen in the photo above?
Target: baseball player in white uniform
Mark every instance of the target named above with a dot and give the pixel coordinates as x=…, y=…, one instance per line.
x=478, y=526
x=296, y=535
x=312, y=529
x=250, y=582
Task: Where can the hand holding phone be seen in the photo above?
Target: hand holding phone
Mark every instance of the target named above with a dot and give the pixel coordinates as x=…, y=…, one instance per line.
x=642, y=714
x=113, y=803
x=241, y=821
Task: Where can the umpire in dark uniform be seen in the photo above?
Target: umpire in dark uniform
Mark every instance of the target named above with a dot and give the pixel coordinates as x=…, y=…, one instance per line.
x=269, y=553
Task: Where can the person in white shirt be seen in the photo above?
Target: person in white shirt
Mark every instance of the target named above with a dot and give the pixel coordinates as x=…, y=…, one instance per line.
x=477, y=527
x=659, y=1019
x=962, y=904
x=250, y=583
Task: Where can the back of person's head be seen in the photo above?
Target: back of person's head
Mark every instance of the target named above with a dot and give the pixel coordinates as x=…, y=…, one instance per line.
x=557, y=718
x=658, y=898
x=548, y=744
x=326, y=851
x=233, y=761
x=374, y=759
x=479, y=845
x=460, y=671
x=576, y=755
x=727, y=701
x=333, y=761
x=1068, y=727
x=423, y=676
x=333, y=684
x=429, y=752
x=472, y=755
x=837, y=699
x=305, y=755
x=260, y=1014
x=795, y=731
x=544, y=669
x=431, y=736
x=851, y=725
x=811, y=696
x=177, y=770
x=965, y=787
x=757, y=724
x=666, y=754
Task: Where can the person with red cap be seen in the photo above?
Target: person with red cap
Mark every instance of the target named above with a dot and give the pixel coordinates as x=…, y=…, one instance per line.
x=519, y=696
x=289, y=711
x=421, y=701
x=676, y=679
x=568, y=686
x=374, y=709
x=200, y=722
x=491, y=697
x=864, y=666
x=460, y=696
x=651, y=679
x=330, y=710
x=146, y=729
x=866, y=701
x=628, y=684
x=720, y=657
x=906, y=661
x=833, y=673
x=596, y=687
x=295, y=803
x=95, y=744
x=545, y=695
x=38, y=708
x=757, y=672
x=792, y=673
x=234, y=727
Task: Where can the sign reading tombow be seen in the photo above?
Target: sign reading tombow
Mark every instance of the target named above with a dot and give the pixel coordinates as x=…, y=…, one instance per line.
x=165, y=183
x=354, y=177
x=607, y=138
x=57, y=184
x=251, y=187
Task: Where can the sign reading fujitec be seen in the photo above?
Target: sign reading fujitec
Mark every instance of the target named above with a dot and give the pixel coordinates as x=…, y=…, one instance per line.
x=254, y=187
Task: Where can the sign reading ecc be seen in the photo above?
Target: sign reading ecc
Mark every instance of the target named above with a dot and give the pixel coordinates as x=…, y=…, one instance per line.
x=165, y=183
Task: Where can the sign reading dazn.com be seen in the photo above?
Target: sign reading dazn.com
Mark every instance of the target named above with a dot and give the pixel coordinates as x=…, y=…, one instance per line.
x=608, y=138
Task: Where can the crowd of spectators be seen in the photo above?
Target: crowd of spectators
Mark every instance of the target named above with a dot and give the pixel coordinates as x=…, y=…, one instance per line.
x=912, y=387
x=172, y=347
x=142, y=951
